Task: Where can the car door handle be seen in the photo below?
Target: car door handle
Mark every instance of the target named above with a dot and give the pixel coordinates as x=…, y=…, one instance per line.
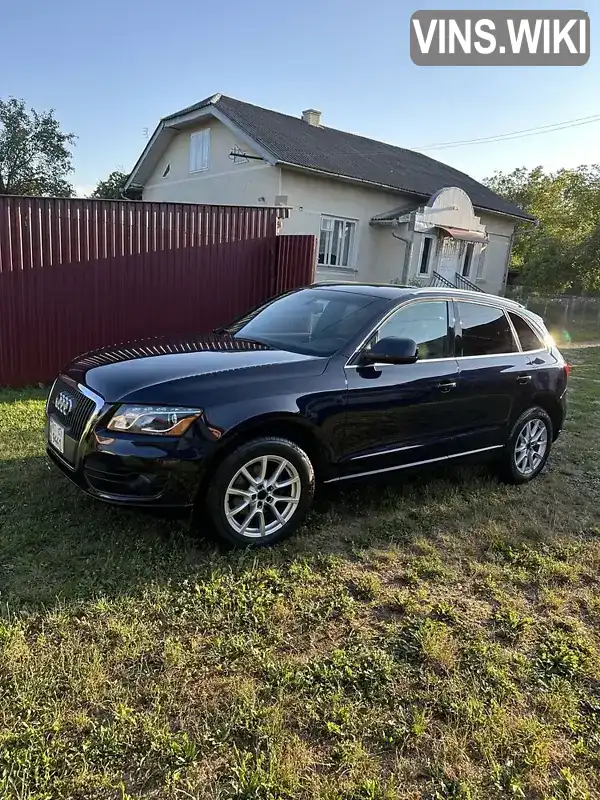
x=447, y=386
x=524, y=379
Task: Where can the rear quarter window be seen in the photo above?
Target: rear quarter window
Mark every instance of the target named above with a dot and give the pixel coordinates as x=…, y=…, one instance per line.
x=527, y=336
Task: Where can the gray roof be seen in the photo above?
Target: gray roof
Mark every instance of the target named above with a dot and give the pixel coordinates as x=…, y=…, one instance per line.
x=292, y=141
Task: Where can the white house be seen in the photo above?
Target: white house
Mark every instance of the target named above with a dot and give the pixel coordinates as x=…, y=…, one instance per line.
x=381, y=213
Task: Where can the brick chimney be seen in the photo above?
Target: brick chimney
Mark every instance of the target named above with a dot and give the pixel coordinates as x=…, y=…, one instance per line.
x=312, y=116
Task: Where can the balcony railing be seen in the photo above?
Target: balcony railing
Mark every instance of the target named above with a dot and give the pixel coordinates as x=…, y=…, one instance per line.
x=439, y=280
x=463, y=283
x=460, y=282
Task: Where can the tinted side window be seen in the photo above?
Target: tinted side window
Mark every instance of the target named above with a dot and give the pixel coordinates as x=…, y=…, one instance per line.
x=426, y=323
x=528, y=338
x=485, y=330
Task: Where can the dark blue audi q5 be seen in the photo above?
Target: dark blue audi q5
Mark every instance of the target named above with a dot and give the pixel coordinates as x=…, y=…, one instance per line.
x=332, y=382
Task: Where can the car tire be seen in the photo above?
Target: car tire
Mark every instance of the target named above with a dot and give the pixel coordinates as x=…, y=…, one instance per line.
x=261, y=492
x=528, y=447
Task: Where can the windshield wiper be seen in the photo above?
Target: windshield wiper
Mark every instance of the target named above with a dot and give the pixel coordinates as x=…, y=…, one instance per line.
x=254, y=341
x=223, y=329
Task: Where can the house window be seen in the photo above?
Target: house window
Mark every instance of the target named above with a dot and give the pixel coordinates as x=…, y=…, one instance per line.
x=426, y=251
x=336, y=242
x=467, y=259
x=199, y=150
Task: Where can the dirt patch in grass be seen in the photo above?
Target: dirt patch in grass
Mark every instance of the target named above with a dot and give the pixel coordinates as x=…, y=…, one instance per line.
x=436, y=637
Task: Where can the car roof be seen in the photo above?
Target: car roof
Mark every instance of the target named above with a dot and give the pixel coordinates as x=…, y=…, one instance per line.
x=389, y=291
x=393, y=291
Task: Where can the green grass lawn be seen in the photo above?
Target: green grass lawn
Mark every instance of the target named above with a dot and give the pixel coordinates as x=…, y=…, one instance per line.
x=575, y=334
x=435, y=638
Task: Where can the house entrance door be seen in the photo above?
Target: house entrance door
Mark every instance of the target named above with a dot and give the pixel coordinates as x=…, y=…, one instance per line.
x=448, y=260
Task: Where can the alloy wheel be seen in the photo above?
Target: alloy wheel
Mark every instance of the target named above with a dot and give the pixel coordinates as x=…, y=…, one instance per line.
x=262, y=496
x=531, y=446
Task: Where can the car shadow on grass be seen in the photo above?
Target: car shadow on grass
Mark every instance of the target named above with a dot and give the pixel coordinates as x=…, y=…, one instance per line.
x=59, y=546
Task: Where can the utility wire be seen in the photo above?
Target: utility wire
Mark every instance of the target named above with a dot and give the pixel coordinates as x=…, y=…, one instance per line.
x=500, y=137
x=521, y=134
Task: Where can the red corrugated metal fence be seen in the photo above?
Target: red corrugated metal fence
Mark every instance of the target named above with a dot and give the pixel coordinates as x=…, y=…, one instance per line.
x=77, y=274
x=43, y=232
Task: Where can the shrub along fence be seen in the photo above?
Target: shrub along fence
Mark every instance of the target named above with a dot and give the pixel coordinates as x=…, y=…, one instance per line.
x=80, y=274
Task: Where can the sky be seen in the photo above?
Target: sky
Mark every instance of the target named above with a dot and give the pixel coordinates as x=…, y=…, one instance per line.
x=112, y=69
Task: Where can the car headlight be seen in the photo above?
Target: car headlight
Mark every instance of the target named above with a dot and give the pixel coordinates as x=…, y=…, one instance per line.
x=154, y=420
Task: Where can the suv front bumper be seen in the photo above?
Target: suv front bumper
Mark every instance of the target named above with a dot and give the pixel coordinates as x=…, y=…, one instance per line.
x=116, y=468
x=121, y=480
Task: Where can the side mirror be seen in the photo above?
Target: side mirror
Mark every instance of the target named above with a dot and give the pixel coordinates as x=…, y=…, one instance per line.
x=391, y=350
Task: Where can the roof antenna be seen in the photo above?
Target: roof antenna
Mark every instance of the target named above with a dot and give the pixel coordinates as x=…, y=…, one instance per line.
x=239, y=156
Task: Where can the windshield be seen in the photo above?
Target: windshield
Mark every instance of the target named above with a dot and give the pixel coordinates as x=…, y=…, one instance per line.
x=311, y=321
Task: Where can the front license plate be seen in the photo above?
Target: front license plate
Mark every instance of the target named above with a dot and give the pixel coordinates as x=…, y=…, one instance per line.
x=56, y=436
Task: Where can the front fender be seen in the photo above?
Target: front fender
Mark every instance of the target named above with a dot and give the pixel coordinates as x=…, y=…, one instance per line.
x=319, y=415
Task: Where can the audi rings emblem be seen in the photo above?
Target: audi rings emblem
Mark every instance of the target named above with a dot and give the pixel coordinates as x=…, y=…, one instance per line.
x=64, y=404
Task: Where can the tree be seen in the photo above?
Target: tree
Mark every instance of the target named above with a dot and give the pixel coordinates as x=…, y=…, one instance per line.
x=559, y=253
x=112, y=188
x=587, y=262
x=35, y=155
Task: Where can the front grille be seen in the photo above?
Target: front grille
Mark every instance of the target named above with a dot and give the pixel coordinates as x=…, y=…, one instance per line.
x=76, y=417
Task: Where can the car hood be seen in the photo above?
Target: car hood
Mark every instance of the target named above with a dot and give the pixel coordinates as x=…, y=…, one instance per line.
x=170, y=371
